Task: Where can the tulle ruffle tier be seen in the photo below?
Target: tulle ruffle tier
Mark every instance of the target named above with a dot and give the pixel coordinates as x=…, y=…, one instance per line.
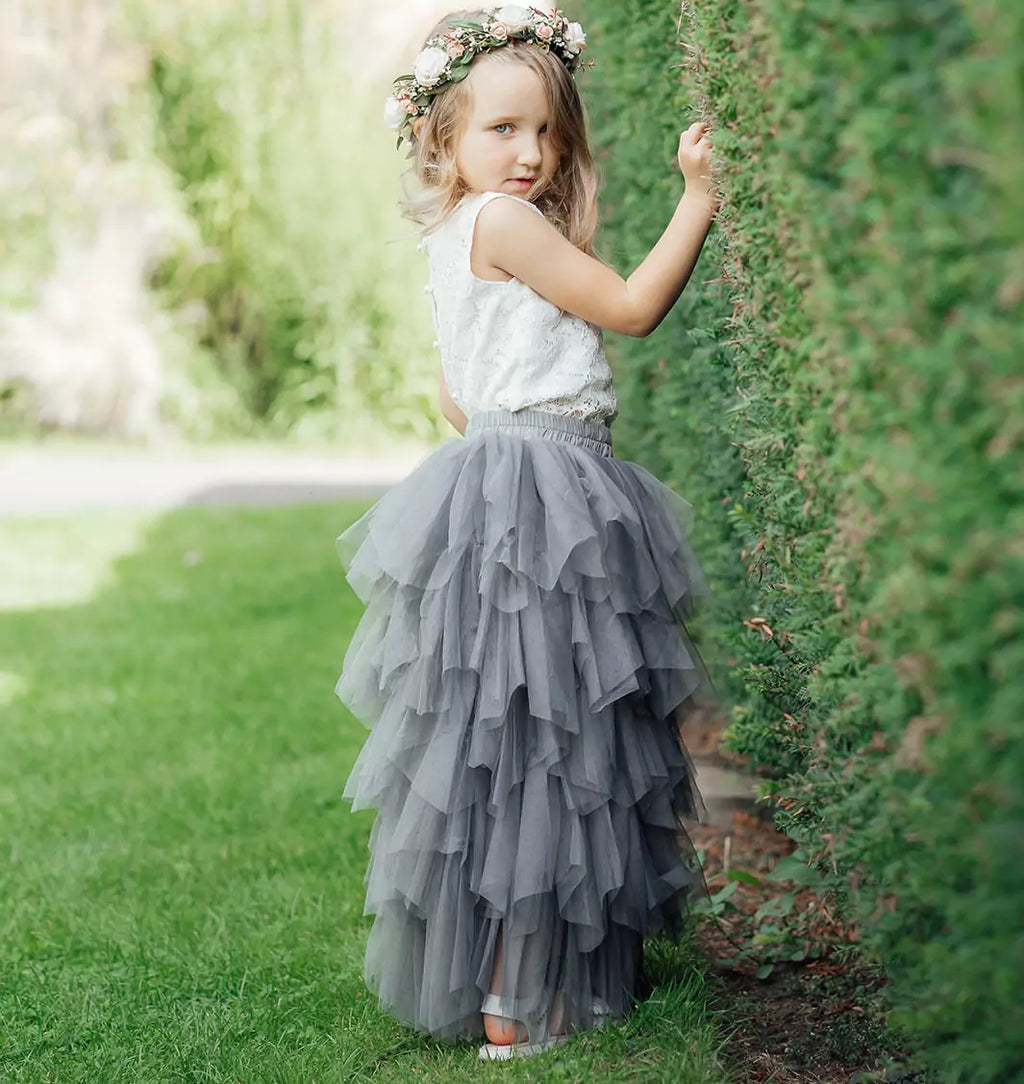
x=520, y=664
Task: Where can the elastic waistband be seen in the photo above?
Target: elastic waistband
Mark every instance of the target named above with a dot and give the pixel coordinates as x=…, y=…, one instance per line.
x=584, y=433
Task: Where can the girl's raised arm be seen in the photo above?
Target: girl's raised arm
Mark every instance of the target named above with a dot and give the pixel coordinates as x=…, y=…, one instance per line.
x=510, y=237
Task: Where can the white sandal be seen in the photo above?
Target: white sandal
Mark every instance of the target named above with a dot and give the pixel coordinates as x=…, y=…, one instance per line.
x=494, y=1005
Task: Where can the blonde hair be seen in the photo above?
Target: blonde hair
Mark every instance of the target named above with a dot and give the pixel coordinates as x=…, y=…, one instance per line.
x=568, y=200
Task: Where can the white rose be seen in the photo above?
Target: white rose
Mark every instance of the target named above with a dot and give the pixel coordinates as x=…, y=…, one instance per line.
x=514, y=17
x=430, y=66
x=575, y=39
x=394, y=113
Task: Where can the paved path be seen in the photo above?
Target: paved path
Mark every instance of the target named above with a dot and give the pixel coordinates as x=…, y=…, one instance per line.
x=34, y=483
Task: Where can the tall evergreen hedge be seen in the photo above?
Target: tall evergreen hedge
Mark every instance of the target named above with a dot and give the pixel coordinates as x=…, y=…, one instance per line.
x=840, y=393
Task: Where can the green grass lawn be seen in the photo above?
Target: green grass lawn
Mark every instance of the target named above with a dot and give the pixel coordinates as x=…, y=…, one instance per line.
x=181, y=880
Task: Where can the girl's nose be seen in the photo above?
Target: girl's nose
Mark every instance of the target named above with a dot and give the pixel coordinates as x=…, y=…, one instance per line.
x=529, y=153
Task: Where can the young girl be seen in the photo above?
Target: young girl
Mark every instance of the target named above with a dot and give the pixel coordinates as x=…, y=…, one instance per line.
x=522, y=659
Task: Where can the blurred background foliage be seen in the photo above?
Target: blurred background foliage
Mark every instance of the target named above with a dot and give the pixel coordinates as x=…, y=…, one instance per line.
x=196, y=223
x=840, y=394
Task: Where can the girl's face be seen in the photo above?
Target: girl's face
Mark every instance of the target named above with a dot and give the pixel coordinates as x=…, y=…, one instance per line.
x=505, y=144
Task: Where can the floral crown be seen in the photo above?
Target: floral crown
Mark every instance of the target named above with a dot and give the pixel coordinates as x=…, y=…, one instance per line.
x=447, y=58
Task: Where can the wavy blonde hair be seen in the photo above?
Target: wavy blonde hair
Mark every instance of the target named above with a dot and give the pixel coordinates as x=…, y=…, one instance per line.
x=568, y=200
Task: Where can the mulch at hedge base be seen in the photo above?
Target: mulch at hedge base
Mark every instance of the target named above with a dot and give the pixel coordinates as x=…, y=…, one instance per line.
x=819, y=1021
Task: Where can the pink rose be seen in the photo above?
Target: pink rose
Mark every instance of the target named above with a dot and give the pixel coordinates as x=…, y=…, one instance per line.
x=499, y=31
x=456, y=49
x=544, y=32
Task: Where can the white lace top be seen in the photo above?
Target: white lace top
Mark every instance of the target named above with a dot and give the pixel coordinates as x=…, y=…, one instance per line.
x=502, y=344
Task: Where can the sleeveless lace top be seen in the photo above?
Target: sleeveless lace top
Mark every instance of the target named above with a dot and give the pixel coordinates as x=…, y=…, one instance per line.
x=503, y=346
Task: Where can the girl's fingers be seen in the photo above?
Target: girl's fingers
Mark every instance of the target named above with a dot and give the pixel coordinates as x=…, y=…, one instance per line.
x=694, y=145
x=697, y=133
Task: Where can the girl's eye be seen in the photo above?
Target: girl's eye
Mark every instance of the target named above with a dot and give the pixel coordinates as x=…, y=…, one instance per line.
x=497, y=126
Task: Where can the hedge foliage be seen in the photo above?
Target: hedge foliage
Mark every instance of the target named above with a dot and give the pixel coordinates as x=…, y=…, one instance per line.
x=840, y=393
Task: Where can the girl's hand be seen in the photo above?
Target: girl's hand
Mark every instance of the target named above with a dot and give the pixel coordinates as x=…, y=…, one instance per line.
x=694, y=157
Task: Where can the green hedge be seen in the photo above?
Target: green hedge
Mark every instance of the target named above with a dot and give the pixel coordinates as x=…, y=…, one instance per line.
x=676, y=386
x=864, y=355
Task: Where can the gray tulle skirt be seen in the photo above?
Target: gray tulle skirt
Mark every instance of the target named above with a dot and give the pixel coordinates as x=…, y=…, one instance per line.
x=521, y=665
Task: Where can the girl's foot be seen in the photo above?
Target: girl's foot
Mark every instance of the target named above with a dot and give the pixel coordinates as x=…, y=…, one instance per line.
x=508, y=1038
